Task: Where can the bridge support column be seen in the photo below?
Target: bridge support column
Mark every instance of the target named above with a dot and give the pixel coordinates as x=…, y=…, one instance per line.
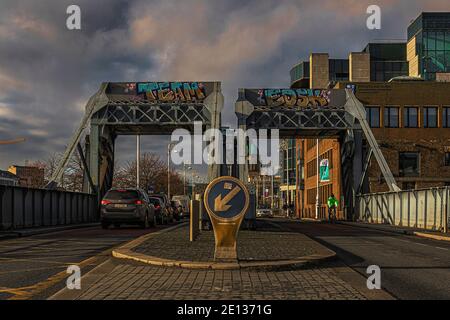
x=214, y=103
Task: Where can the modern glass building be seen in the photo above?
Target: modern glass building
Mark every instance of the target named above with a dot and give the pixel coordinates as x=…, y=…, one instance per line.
x=338, y=71
x=387, y=60
x=429, y=45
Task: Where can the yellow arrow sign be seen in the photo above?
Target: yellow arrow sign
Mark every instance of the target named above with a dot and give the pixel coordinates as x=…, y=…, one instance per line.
x=221, y=205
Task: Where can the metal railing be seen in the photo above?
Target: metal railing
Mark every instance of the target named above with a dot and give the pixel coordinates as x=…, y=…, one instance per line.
x=423, y=209
x=27, y=208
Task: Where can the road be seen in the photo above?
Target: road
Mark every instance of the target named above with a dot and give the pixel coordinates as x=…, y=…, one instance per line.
x=411, y=267
x=35, y=267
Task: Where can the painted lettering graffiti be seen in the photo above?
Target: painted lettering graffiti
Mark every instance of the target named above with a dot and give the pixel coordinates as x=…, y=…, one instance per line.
x=294, y=97
x=172, y=91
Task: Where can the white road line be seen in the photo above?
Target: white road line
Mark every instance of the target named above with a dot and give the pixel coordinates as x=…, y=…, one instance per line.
x=441, y=248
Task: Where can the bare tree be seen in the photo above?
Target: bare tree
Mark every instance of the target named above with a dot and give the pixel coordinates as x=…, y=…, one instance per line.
x=153, y=173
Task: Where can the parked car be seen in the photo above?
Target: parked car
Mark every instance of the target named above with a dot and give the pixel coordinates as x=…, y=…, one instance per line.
x=177, y=210
x=165, y=203
x=127, y=206
x=184, y=202
x=264, y=213
x=161, y=213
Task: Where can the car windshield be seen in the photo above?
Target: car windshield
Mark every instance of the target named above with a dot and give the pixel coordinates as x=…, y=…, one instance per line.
x=122, y=195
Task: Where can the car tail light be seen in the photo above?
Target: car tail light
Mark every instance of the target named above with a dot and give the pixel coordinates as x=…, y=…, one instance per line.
x=157, y=207
x=138, y=202
x=105, y=202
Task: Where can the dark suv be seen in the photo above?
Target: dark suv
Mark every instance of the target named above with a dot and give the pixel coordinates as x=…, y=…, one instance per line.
x=127, y=206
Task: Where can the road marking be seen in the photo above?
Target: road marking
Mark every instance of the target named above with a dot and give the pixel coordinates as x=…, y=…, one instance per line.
x=441, y=248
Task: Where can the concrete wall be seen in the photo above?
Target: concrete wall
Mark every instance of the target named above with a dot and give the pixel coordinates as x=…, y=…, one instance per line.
x=359, y=66
x=319, y=74
x=412, y=58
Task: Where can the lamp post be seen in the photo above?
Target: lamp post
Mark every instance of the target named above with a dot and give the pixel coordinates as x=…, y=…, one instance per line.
x=169, y=147
x=318, y=179
x=138, y=161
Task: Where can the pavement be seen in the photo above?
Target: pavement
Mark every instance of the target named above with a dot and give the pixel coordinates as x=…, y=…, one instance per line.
x=118, y=279
x=265, y=248
x=35, y=267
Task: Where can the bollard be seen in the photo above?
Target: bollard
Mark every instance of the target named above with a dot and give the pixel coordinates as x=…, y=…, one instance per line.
x=194, y=230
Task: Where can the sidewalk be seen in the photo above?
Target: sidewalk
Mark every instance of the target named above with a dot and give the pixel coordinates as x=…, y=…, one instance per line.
x=120, y=279
x=400, y=230
x=269, y=247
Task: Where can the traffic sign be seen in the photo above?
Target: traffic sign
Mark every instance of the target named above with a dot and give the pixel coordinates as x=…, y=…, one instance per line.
x=226, y=201
x=226, y=198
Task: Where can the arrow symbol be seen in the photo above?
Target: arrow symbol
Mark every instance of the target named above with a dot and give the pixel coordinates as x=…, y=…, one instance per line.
x=221, y=205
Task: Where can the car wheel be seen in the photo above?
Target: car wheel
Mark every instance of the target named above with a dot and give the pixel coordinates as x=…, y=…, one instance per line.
x=105, y=225
x=117, y=225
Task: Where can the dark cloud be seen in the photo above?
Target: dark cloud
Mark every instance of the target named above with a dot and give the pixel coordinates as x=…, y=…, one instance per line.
x=47, y=72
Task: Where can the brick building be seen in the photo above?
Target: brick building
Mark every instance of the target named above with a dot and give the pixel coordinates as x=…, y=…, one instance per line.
x=410, y=119
x=32, y=177
x=413, y=131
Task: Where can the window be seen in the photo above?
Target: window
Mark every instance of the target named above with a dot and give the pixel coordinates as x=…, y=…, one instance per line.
x=409, y=164
x=411, y=117
x=430, y=118
x=373, y=116
x=408, y=185
x=391, y=117
x=446, y=118
x=447, y=159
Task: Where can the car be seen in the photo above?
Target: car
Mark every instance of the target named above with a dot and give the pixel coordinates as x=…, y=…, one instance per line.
x=165, y=203
x=161, y=212
x=264, y=213
x=183, y=201
x=126, y=206
x=177, y=210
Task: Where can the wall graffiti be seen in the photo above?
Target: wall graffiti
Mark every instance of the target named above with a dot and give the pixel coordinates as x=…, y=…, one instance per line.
x=173, y=91
x=288, y=97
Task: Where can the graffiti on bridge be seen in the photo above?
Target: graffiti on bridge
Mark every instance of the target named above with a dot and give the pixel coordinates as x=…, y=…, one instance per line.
x=172, y=91
x=288, y=97
x=164, y=92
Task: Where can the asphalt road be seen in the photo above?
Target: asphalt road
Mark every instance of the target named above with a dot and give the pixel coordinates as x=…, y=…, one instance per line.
x=411, y=267
x=35, y=267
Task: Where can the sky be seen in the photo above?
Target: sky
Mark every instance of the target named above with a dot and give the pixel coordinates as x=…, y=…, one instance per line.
x=47, y=72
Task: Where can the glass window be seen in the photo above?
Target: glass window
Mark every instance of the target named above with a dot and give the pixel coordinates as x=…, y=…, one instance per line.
x=440, y=41
x=430, y=117
x=447, y=159
x=431, y=41
x=409, y=164
x=373, y=116
x=391, y=117
x=446, y=117
x=411, y=117
x=447, y=41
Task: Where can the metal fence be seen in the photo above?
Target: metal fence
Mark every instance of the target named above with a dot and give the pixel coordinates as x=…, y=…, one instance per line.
x=424, y=209
x=26, y=208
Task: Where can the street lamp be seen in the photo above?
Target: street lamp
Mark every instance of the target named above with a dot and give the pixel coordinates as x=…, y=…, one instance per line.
x=169, y=148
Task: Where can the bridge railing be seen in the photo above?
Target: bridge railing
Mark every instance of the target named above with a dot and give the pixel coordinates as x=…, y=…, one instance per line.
x=27, y=208
x=423, y=209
